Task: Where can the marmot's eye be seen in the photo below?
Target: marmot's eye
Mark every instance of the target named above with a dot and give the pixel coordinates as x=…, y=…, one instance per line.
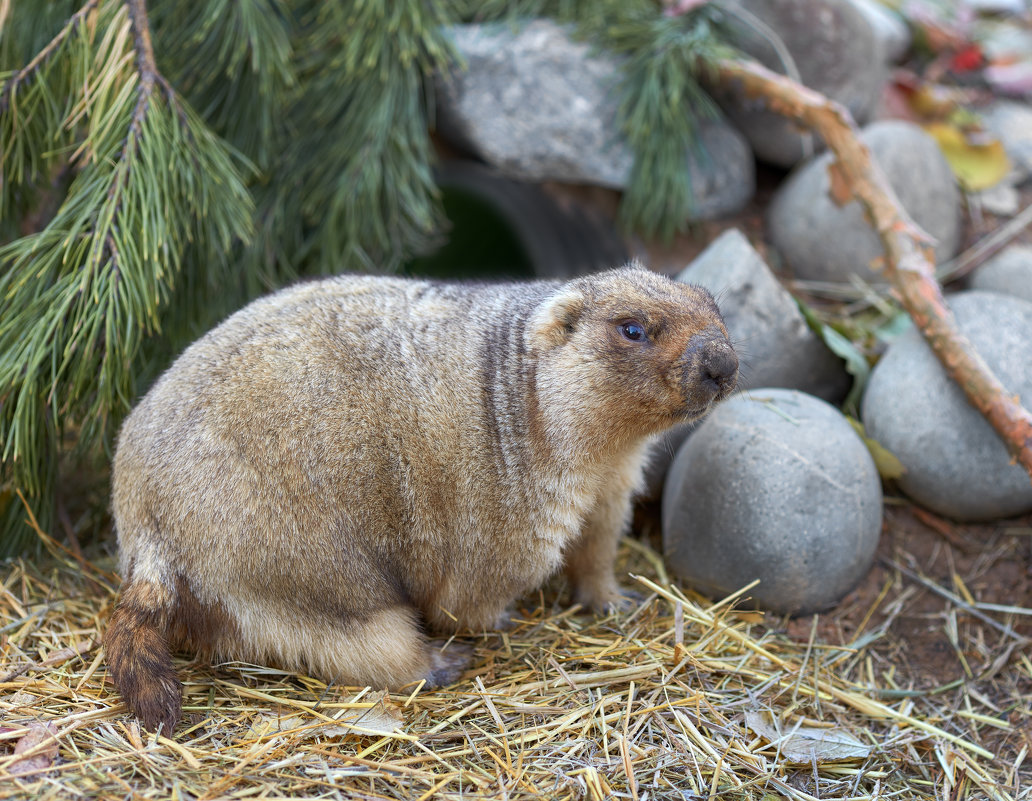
x=633, y=331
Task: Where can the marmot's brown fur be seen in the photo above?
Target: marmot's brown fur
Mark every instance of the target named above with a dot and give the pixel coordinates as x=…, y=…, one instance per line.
x=347, y=464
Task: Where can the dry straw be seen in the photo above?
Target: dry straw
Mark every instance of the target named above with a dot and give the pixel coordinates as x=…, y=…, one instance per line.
x=677, y=698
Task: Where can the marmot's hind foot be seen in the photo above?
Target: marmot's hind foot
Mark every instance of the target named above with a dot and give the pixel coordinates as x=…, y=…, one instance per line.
x=448, y=664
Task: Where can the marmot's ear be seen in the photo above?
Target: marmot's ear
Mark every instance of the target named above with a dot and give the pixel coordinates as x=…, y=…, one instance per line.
x=553, y=322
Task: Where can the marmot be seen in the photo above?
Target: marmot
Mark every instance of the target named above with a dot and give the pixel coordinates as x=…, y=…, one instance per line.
x=348, y=464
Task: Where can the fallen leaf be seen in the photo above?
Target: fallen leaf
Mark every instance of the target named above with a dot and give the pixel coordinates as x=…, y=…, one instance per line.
x=64, y=654
x=888, y=464
x=383, y=717
x=893, y=328
x=968, y=58
x=807, y=744
x=978, y=161
x=932, y=101
x=41, y=741
x=841, y=346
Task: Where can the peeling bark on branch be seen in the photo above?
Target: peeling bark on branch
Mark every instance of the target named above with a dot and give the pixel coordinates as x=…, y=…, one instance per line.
x=909, y=261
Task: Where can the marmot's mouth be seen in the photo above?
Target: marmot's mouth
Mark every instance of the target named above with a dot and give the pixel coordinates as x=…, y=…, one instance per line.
x=693, y=411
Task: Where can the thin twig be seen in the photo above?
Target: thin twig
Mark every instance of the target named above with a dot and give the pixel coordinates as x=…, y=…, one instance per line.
x=977, y=253
x=956, y=600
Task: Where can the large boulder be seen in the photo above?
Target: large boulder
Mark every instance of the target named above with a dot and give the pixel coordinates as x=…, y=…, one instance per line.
x=774, y=485
x=823, y=241
x=832, y=45
x=539, y=106
x=775, y=345
x=956, y=465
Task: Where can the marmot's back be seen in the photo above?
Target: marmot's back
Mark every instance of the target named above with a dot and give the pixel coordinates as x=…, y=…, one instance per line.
x=345, y=461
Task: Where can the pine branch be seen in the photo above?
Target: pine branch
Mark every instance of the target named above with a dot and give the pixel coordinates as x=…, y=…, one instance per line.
x=234, y=61
x=81, y=294
x=361, y=169
x=145, y=66
x=661, y=110
x=910, y=259
x=26, y=73
x=33, y=107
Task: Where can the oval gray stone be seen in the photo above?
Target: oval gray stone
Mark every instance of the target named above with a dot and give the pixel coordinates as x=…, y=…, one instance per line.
x=956, y=464
x=835, y=50
x=888, y=27
x=822, y=241
x=775, y=346
x=774, y=485
x=1009, y=272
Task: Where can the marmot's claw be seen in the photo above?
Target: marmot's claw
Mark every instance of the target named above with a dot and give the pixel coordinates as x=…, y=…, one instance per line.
x=448, y=664
x=616, y=600
x=506, y=620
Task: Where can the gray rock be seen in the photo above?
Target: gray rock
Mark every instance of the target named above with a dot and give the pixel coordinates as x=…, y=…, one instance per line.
x=888, y=26
x=774, y=485
x=1009, y=272
x=776, y=348
x=835, y=51
x=956, y=465
x=540, y=106
x=1012, y=123
x=822, y=241
x=722, y=170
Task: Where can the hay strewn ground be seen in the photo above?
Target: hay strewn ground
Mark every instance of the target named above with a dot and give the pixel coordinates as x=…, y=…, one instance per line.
x=677, y=699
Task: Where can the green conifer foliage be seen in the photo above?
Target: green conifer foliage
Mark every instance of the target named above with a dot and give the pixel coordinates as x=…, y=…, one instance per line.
x=162, y=161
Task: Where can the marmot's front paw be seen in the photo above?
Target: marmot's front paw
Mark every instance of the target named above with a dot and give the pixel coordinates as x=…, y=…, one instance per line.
x=608, y=600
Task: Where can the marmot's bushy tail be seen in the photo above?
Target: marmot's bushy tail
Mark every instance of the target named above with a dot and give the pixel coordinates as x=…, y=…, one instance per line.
x=139, y=658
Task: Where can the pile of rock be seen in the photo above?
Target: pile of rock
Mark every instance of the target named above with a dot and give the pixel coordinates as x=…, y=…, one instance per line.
x=776, y=484
x=538, y=105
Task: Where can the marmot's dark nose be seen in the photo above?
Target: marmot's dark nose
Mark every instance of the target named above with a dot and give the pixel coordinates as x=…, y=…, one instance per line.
x=718, y=366
x=713, y=363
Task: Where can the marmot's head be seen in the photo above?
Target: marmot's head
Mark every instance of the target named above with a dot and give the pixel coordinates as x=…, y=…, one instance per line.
x=632, y=349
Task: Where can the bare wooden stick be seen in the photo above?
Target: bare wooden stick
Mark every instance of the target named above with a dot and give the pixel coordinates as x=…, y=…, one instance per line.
x=909, y=263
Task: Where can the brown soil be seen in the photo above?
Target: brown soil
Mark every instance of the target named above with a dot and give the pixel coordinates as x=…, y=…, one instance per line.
x=990, y=563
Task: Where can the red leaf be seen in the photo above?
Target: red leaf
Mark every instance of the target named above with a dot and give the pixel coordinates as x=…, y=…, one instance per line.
x=967, y=59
